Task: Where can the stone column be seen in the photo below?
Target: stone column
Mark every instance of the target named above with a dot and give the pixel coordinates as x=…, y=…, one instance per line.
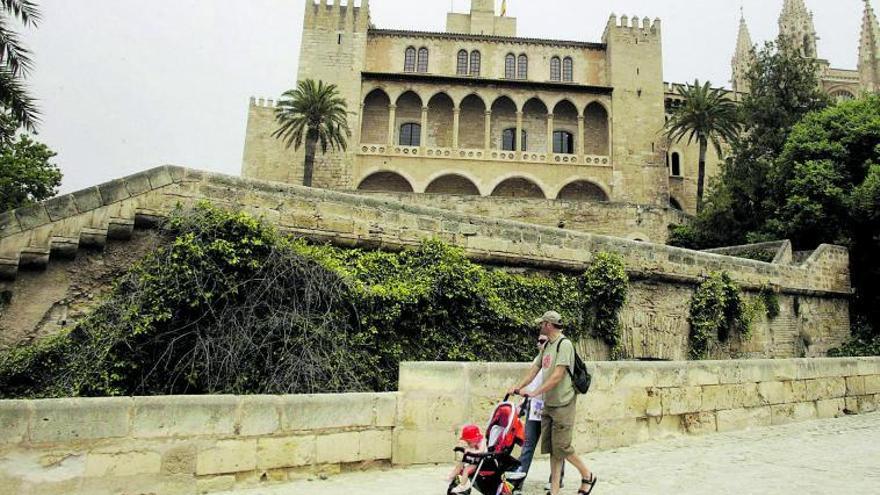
x=487, y=138
x=550, y=133
x=519, y=131
x=456, y=116
x=580, y=136
x=392, y=124
x=423, y=139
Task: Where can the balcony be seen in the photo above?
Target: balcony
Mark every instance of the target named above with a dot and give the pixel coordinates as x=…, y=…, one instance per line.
x=484, y=155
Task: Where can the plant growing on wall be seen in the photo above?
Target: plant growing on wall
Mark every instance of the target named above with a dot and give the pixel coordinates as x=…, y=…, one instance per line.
x=315, y=113
x=717, y=311
x=228, y=305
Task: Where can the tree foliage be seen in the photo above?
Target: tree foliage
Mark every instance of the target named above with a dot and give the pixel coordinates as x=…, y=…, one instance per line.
x=718, y=310
x=15, y=62
x=231, y=306
x=27, y=174
x=315, y=113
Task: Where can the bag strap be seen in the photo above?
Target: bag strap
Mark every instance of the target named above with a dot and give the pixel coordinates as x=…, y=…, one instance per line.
x=568, y=368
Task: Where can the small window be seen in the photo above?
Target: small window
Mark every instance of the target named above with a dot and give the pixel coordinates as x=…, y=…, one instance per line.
x=409, y=60
x=676, y=165
x=508, y=140
x=563, y=142
x=475, y=63
x=461, y=66
x=510, y=66
x=411, y=135
x=568, y=69
x=423, y=59
x=555, y=69
x=522, y=67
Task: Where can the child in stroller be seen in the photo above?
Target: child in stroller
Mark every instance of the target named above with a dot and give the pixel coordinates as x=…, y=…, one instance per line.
x=486, y=470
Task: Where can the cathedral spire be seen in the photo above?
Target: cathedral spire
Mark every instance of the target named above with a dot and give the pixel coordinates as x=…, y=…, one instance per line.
x=869, y=51
x=742, y=58
x=796, y=24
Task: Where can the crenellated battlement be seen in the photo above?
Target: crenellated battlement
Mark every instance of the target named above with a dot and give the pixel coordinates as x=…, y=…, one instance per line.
x=632, y=25
x=337, y=16
x=262, y=102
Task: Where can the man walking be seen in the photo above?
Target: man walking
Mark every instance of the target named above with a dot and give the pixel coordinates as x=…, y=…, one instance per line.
x=560, y=401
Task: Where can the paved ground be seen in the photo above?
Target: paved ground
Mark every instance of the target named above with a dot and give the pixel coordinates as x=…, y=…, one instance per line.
x=840, y=456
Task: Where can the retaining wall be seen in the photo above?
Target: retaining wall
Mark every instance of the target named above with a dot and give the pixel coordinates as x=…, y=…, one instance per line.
x=814, y=293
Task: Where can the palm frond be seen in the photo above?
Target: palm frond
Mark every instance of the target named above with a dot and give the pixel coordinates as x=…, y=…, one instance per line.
x=25, y=10
x=12, y=52
x=15, y=99
x=313, y=107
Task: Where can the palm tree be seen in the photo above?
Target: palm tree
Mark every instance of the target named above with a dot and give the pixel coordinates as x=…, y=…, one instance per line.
x=706, y=115
x=313, y=111
x=15, y=62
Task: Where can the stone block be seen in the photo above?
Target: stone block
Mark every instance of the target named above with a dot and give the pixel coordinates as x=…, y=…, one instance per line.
x=855, y=385
x=700, y=423
x=623, y=432
x=741, y=419
x=852, y=405
x=31, y=217
x=8, y=224
x=867, y=404
x=211, y=484
x=259, y=415
x=315, y=412
x=791, y=413
x=386, y=410
x=113, y=192
x=586, y=436
x=635, y=376
x=227, y=456
x=665, y=427
x=771, y=393
x=671, y=375
x=440, y=377
x=87, y=199
x=184, y=416
x=699, y=374
x=374, y=445
x=122, y=464
x=731, y=396
x=825, y=388
x=795, y=391
x=872, y=384
x=423, y=446
x=15, y=417
x=67, y=420
x=832, y=408
x=681, y=400
x=180, y=460
x=159, y=177
x=284, y=452
x=60, y=207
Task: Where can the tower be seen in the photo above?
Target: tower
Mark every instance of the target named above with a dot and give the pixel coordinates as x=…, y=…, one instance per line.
x=796, y=25
x=742, y=58
x=634, y=62
x=869, y=51
x=482, y=19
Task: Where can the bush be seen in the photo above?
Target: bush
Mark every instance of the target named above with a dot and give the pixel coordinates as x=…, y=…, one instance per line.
x=717, y=311
x=231, y=306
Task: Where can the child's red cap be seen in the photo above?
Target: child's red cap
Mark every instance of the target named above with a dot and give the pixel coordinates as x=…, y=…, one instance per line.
x=472, y=434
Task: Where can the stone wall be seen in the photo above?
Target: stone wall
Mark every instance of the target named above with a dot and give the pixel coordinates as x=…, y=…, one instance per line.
x=628, y=221
x=187, y=445
x=815, y=291
x=635, y=402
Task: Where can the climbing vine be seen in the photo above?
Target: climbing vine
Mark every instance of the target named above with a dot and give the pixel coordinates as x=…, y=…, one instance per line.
x=718, y=310
x=229, y=305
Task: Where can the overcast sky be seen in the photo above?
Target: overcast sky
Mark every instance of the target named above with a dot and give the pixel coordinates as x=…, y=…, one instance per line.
x=125, y=85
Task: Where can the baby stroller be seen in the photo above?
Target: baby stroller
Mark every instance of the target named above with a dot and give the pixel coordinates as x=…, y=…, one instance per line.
x=505, y=430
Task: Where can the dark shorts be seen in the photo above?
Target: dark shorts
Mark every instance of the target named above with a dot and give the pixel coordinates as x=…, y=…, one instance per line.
x=557, y=426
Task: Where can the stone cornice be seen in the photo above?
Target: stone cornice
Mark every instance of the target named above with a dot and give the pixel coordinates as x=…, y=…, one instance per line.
x=482, y=37
x=485, y=81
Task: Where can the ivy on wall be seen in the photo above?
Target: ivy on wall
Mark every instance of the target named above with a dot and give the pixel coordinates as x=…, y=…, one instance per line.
x=718, y=310
x=229, y=305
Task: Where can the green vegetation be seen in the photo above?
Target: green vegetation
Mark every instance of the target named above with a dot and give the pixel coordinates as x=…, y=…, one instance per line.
x=718, y=310
x=27, y=174
x=706, y=116
x=231, y=306
x=15, y=62
x=313, y=112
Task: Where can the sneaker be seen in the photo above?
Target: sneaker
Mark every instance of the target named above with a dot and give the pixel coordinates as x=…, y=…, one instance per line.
x=515, y=475
x=547, y=486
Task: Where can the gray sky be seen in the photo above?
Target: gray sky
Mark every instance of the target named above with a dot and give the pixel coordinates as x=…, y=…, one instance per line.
x=125, y=85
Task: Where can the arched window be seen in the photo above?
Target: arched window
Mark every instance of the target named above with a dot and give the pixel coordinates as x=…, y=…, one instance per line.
x=563, y=142
x=676, y=165
x=522, y=67
x=411, y=135
x=423, y=59
x=475, y=63
x=508, y=140
x=510, y=66
x=555, y=69
x=568, y=69
x=409, y=60
x=461, y=66
x=842, y=95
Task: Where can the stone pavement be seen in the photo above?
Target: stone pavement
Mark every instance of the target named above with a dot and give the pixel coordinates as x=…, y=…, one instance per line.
x=838, y=456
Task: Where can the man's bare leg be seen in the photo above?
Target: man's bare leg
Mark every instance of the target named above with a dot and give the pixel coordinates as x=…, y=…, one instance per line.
x=555, y=474
x=579, y=464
